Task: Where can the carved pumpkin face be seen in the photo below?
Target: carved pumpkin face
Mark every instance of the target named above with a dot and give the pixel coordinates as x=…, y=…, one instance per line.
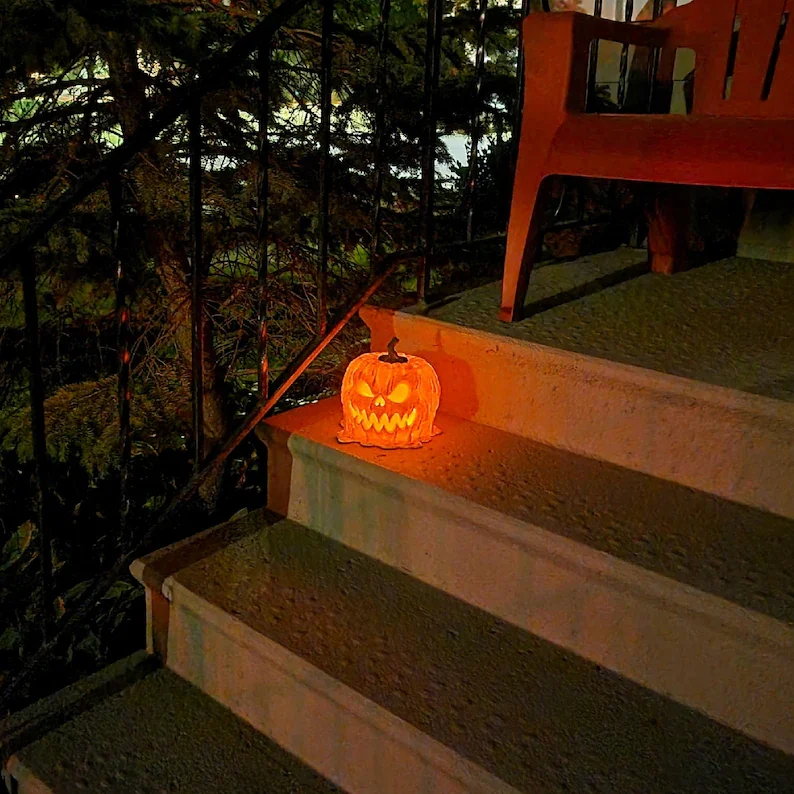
x=389, y=401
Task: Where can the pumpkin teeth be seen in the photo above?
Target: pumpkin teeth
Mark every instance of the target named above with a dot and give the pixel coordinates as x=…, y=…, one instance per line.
x=382, y=422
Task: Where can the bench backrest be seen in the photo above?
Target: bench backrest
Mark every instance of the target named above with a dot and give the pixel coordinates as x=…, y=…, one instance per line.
x=744, y=55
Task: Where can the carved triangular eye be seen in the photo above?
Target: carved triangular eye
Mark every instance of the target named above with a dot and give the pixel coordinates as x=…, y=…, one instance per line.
x=363, y=389
x=400, y=393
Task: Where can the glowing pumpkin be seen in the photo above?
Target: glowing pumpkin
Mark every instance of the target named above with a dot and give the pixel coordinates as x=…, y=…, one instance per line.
x=389, y=400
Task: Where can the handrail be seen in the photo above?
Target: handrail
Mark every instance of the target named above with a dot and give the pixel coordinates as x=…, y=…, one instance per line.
x=211, y=465
x=213, y=73
x=388, y=264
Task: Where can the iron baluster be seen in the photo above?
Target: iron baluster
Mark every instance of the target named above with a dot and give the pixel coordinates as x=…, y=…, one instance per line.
x=326, y=59
x=263, y=367
x=479, y=65
x=123, y=340
x=653, y=61
x=196, y=283
x=519, y=107
x=38, y=431
x=658, y=6
x=380, y=130
x=435, y=15
x=592, y=72
x=624, y=58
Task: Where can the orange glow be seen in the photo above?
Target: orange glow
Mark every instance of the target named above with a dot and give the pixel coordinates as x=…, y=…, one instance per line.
x=389, y=401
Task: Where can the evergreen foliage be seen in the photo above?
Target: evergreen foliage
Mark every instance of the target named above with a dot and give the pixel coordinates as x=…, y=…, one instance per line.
x=76, y=78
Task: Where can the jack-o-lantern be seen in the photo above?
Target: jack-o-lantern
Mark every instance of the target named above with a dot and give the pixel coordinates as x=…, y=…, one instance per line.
x=389, y=401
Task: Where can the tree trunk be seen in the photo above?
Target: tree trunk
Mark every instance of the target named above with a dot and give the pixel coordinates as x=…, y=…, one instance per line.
x=172, y=268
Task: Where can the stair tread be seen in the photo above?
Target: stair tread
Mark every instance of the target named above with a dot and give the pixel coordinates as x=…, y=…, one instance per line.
x=531, y=713
x=161, y=734
x=730, y=550
x=686, y=326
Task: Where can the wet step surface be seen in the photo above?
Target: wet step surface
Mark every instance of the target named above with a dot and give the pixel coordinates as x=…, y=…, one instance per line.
x=733, y=551
x=160, y=734
x=538, y=717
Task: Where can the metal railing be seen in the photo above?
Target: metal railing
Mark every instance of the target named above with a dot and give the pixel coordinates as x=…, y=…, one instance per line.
x=656, y=7
x=212, y=74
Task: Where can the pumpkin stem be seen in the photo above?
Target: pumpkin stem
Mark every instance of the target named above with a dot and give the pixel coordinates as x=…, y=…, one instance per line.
x=393, y=357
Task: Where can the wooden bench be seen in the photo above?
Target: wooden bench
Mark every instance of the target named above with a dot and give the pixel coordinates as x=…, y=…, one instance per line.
x=740, y=132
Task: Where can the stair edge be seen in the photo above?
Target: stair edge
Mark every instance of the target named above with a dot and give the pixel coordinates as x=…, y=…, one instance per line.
x=732, y=649
x=25, y=726
x=709, y=437
x=289, y=676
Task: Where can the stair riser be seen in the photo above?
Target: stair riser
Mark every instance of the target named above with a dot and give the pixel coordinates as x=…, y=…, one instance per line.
x=732, y=444
x=732, y=664
x=344, y=736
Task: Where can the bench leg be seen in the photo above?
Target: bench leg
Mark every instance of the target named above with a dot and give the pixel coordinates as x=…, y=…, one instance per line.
x=667, y=211
x=523, y=241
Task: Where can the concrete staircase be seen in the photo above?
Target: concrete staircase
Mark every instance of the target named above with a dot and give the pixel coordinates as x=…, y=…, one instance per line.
x=584, y=584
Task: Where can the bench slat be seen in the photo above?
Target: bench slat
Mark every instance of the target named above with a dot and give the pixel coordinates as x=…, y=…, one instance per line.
x=712, y=57
x=760, y=23
x=781, y=95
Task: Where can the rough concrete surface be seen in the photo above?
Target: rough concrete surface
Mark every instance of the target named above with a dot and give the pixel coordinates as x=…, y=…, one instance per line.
x=730, y=323
x=727, y=442
x=25, y=726
x=536, y=716
x=768, y=231
x=160, y=735
x=345, y=736
x=733, y=551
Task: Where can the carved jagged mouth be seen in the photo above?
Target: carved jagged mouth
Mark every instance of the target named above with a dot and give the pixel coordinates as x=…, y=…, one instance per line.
x=382, y=422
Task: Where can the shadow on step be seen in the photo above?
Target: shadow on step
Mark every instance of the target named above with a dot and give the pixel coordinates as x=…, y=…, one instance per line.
x=584, y=290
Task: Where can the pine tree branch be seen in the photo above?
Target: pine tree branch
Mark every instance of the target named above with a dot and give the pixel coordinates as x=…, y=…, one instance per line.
x=63, y=85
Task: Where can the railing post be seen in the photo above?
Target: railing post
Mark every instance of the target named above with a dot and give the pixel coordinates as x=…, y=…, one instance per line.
x=38, y=431
x=326, y=59
x=479, y=65
x=628, y=16
x=598, y=10
x=519, y=107
x=380, y=130
x=123, y=340
x=263, y=67
x=435, y=15
x=653, y=61
x=196, y=276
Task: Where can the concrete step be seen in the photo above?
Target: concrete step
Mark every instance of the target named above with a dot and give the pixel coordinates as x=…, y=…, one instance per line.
x=732, y=442
x=768, y=231
x=683, y=592
x=138, y=729
x=384, y=684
